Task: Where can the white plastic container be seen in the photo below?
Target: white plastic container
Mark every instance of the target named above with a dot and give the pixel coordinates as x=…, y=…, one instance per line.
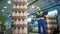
x=18, y=0
x=16, y=30
x=18, y=6
x=17, y=21
x=14, y=21
x=25, y=13
x=49, y=31
x=21, y=6
x=21, y=14
x=25, y=30
x=20, y=30
x=17, y=14
x=13, y=13
x=25, y=0
x=22, y=0
x=21, y=22
x=25, y=21
x=14, y=6
x=25, y=6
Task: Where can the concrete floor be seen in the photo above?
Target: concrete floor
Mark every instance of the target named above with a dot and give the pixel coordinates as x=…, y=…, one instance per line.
x=33, y=33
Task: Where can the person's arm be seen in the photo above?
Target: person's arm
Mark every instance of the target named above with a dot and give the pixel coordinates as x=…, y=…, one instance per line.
x=45, y=14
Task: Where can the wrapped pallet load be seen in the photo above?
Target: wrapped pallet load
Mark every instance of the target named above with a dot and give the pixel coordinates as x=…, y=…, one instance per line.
x=19, y=16
x=51, y=23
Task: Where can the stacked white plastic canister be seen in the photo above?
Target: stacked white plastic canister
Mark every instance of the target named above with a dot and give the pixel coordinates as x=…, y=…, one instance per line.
x=18, y=21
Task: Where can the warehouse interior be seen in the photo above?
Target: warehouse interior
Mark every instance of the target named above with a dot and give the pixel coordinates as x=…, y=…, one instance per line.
x=52, y=7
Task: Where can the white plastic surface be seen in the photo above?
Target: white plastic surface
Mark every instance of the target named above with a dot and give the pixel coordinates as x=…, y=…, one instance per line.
x=17, y=14
x=25, y=30
x=13, y=13
x=21, y=22
x=17, y=21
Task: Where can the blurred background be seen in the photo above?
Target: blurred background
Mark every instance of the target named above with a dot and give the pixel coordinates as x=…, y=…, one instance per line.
x=50, y=6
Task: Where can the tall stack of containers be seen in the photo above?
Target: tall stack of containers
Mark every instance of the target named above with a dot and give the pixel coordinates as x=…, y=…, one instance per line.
x=19, y=16
x=51, y=24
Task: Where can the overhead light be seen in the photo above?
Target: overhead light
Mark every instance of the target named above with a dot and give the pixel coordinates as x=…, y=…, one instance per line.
x=5, y=7
x=33, y=6
x=29, y=19
x=9, y=2
x=2, y=10
x=53, y=12
x=27, y=3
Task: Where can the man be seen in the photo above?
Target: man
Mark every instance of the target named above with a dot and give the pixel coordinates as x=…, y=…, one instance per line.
x=40, y=17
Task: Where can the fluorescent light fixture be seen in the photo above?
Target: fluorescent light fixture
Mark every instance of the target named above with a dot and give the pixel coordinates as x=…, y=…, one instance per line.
x=5, y=7
x=9, y=2
x=54, y=12
x=33, y=6
x=27, y=3
x=29, y=19
x=2, y=10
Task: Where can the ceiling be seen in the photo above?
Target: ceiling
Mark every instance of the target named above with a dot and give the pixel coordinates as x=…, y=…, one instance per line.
x=4, y=3
x=5, y=7
x=32, y=4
